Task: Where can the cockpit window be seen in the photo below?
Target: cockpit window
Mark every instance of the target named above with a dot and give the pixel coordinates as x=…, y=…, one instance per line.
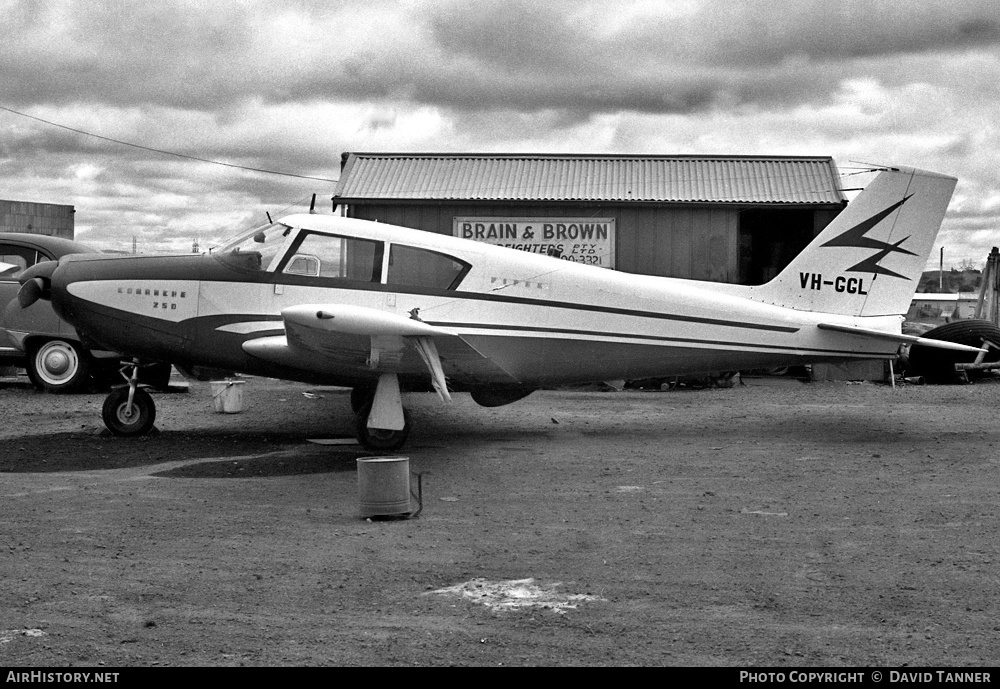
x=256, y=249
x=415, y=267
x=330, y=256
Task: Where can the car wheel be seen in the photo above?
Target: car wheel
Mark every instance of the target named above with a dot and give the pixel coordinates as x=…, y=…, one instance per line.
x=59, y=366
x=124, y=419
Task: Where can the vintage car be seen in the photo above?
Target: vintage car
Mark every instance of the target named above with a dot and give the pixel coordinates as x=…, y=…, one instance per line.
x=36, y=338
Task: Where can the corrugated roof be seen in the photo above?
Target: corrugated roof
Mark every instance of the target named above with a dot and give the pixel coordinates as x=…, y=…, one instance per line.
x=524, y=177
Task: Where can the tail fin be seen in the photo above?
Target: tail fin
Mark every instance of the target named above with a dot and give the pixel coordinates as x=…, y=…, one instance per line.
x=867, y=262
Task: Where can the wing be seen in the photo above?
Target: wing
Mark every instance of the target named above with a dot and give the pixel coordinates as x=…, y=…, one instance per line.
x=363, y=342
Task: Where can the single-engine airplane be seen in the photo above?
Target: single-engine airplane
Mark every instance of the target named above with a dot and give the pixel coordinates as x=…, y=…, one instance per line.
x=378, y=308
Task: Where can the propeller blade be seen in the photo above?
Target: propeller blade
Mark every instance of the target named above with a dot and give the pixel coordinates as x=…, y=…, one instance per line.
x=35, y=283
x=31, y=291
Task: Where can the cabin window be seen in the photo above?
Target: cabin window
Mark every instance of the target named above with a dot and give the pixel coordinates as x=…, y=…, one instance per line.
x=255, y=250
x=302, y=264
x=415, y=267
x=329, y=256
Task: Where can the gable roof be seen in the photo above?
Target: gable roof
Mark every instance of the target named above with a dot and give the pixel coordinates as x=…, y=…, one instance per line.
x=600, y=178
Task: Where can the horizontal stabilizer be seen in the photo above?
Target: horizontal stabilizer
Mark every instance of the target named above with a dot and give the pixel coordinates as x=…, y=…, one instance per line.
x=902, y=339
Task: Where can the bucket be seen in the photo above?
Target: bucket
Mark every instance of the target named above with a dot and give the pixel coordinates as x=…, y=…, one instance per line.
x=227, y=396
x=384, y=486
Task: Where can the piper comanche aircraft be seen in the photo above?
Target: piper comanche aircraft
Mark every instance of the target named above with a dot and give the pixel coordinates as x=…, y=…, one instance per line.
x=382, y=309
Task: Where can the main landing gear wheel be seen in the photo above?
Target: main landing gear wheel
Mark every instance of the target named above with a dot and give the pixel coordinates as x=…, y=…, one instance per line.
x=379, y=439
x=129, y=419
x=58, y=366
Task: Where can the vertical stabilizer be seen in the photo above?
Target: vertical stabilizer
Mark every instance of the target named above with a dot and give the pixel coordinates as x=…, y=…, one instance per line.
x=868, y=261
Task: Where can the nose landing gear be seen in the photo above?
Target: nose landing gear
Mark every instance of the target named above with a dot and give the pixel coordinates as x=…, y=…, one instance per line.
x=129, y=410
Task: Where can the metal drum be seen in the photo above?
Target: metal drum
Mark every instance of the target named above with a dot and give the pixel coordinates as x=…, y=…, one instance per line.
x=384, y=486
x=227, y=396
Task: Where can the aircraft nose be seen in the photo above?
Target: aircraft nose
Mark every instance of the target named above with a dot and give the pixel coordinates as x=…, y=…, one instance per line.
x=36, y=283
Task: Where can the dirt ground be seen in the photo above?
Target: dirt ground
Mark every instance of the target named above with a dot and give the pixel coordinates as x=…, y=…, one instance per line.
x=776, y=523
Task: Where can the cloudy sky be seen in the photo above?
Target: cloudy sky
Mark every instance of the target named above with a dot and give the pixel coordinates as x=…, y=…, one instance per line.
x=287, y=86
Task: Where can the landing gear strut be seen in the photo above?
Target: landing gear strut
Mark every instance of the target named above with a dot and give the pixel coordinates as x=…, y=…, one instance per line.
x=381, y=423
x=129, y=410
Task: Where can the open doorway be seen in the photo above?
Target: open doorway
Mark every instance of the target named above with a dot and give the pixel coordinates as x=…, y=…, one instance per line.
x=769, y=239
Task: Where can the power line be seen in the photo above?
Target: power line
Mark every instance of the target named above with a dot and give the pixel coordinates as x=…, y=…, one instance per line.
x=157, y=150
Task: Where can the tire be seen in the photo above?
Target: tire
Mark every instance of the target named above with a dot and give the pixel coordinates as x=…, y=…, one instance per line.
x=362, y=397
x=59, y=366
x=938, y=365
x=124, y=421
x=378, y=439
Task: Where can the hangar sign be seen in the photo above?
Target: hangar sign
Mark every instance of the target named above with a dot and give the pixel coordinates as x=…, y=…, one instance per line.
x=583, y=240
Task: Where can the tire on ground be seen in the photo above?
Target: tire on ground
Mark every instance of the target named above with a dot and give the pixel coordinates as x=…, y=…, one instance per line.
x=938, y=365
x=125, y=420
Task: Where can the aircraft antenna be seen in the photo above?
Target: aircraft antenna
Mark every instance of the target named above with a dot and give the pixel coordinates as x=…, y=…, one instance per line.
x=312, y=205
x=269, y=221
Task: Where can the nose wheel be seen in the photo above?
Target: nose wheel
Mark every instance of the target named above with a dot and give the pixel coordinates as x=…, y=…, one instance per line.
x=129, y=410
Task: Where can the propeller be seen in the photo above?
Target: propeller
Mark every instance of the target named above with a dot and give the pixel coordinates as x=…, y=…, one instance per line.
x=36, y=282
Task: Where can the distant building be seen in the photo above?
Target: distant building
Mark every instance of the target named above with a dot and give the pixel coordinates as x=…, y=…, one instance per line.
x=933, y=308
x=736, y=219
x=50, y=219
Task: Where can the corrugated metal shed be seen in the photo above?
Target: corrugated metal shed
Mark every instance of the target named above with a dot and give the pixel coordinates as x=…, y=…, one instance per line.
x=55, y=220
x=590, y=178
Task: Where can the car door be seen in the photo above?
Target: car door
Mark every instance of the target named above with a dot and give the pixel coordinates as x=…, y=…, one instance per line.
x=15, y=258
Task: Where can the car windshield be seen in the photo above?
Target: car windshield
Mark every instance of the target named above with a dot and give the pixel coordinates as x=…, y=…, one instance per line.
x=256, y=249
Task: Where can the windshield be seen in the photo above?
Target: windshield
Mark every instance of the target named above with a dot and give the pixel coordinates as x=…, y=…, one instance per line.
x=256, y=249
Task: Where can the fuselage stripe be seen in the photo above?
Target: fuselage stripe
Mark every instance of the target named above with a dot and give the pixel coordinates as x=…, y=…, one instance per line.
x=650, y=338
x=634, y=312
